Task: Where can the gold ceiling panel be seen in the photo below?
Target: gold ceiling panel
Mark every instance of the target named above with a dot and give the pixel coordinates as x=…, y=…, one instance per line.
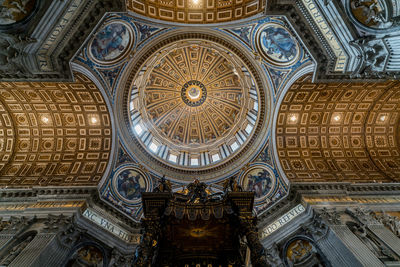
x=340, y=132
x=53, y=133
x=197, y=11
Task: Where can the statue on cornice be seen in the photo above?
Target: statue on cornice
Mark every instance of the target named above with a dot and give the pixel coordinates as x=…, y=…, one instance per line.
x=197, y=192
x=12, y=52
x=15, y=224
x=391, y=222
x=164, y=185
x=373, y=55
x=231, y=185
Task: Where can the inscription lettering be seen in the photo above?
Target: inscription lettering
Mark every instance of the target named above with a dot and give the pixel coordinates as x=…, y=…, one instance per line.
x=341, y=58
x=46, y=49
x=284, y=219
x=110, y=227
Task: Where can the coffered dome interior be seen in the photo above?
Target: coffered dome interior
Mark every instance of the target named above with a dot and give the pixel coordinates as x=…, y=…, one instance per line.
x=194, y=104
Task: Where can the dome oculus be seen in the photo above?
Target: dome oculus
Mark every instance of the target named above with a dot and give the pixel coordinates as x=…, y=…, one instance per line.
x=193, y=93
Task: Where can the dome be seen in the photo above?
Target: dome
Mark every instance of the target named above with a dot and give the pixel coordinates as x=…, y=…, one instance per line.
x=194, y=106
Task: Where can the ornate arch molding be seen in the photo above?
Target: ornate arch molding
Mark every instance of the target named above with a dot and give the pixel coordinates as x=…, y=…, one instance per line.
x=12, y=249
x=136, y=65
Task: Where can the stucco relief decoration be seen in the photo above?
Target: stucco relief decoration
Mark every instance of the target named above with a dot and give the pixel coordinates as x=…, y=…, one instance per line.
x=277, y=45
x=112, y=42
x=301, y=252
x=370, y=13
x=14, y=11
x=87, y=256
x=258, y=179
x=129, y=183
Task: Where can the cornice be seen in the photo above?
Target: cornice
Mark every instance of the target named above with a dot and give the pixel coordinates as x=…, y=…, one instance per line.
x=284, y=205
x=347, y=189
x=40, y=193
x=89, y=195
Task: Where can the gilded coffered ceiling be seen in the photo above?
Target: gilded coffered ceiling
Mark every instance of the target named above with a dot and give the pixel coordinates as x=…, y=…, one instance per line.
x=340, y=132
x=53, y=133
x=195, y=11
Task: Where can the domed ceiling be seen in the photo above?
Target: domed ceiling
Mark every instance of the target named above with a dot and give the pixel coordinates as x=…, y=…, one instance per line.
x=194, y=106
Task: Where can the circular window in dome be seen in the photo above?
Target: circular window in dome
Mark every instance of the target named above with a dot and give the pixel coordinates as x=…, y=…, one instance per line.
x=194, y=105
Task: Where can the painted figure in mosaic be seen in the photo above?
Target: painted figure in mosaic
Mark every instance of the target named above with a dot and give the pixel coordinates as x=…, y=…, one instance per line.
x=278, y=44
x=130, y=184
x=299, y=251
x=110, y=42
x=259, y=182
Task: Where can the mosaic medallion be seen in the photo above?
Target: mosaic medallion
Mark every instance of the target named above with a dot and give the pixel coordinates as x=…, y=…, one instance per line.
x=277, y=45
x=12, y=12
x=129, y=183
x=111, y=42
x=371, y=13
x=258, y=179
x=193, y=93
